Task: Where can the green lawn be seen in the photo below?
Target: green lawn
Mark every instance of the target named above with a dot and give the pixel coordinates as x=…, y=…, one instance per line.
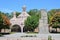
x=32, y=32
x=12, y=32
x=26, y=32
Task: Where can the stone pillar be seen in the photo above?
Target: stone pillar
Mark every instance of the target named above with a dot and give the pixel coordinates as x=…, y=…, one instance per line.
x=21, y=29
x=22, y=26
x=43, y=22
x=11, y=27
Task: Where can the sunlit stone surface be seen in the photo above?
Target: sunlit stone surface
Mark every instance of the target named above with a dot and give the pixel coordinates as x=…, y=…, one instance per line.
x=20, y=19
x=43, y=22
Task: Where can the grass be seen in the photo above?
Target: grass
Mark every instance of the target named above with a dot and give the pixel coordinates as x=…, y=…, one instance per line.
x=32, y=32
x=1, y=35
x=26, y=32
x=13, y=32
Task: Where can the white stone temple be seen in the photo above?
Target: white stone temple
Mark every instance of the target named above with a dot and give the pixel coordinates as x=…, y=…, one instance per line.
x=20, y=19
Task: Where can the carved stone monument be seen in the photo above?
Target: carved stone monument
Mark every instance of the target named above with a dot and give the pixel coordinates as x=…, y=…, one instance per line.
x=43, y=22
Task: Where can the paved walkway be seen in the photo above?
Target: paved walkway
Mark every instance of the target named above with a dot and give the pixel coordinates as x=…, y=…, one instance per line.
x=15, y=35
x=41, y=36
x=38, y=35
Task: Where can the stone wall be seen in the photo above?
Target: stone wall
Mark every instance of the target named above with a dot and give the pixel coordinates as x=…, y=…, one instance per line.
x=5, y=30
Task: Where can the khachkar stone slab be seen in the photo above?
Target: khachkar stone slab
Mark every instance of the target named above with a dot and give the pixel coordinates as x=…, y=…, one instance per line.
x=43, y=22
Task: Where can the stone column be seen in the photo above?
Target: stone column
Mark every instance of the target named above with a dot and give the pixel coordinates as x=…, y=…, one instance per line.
x=22, y=26
x=43, y=22
x=21, y=29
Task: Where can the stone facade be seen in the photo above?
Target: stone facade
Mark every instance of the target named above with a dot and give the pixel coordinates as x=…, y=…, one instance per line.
x=20, y=19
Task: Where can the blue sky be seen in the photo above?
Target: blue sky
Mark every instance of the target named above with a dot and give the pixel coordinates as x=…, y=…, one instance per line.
x=16, y=5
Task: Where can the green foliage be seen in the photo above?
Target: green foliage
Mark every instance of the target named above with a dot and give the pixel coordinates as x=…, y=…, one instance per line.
x=51, y=13
x=10, y=15
x=33, y=12
x=49, y=38
x=54, y=18
x=17, y=13
x=2, y=22
x=31, y=23
x=1, y=35
x=56, y=22
x=54, y=25
x=29, y=36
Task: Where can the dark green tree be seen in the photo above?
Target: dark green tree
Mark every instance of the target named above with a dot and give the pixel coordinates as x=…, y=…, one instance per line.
x=1, y=22
x=17, y=14
x=31, y=23
x=33, y=12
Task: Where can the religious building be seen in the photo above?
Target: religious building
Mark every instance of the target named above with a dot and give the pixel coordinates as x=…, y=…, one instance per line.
x=19, y=21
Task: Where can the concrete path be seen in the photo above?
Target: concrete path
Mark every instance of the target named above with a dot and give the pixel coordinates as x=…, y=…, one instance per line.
x=15, y=35
x=41, y=36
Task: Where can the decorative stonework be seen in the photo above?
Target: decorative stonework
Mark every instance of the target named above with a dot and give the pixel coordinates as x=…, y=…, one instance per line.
x=20, y=19
x=43, y=22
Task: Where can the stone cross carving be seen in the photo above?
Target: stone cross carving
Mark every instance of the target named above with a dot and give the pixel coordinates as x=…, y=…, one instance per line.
x=43, y=22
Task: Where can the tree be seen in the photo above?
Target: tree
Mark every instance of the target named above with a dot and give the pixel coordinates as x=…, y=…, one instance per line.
x=1, y=22
x=54, y=18
x=17, y=14
x=56, y=21
x=31, y=23
x=51, y=13
x=33, y=12
x=8, y=15
x=4, y=22
x=11, y=15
